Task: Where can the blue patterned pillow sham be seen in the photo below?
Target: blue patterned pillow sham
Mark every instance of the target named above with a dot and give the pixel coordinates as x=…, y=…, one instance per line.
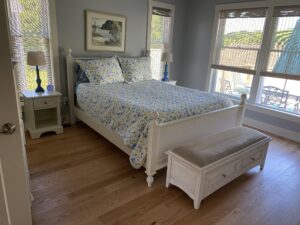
x=136, y=68
x=102, y=71
x=80, y=76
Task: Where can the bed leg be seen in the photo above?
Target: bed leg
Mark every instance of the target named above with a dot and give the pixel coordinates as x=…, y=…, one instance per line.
x=150, y=180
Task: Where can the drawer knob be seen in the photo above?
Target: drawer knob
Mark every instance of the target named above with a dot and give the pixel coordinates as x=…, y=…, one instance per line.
x=224, y=175
x=45, y=103
x=253, y=159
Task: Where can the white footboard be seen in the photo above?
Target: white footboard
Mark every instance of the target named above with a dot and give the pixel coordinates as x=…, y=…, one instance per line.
x=164, y=137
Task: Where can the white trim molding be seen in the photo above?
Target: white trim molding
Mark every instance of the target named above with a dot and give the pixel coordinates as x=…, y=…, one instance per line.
x=274, y=113
x=54, y=51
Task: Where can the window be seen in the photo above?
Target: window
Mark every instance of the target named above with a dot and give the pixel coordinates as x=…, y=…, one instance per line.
x=29, y=31
x=280, y=94
x=257, y=52
x=239, y=38
x=283, y=58
x=160, y=39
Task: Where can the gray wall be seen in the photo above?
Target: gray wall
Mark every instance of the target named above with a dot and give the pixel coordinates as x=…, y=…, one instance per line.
x=71, y=28
x=198, y=38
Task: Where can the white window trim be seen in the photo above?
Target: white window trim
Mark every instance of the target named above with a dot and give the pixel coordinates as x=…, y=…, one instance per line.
x=54, y=52
x=171, y=7
x=270, y=4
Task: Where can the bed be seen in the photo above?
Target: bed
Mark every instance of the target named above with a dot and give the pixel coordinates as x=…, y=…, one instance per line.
x=145, y=119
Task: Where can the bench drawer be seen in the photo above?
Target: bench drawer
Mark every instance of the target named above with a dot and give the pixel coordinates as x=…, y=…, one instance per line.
x=45, y=103
x=220, y=175
x=251, y=159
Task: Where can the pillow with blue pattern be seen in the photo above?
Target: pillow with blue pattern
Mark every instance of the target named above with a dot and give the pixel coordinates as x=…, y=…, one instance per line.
x=136, y=68
x=102, y=71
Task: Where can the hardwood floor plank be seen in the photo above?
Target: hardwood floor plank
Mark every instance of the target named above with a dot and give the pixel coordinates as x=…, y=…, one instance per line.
x=79, y=178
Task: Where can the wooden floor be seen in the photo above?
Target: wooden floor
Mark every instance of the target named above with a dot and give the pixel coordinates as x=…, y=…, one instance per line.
x=79, y=178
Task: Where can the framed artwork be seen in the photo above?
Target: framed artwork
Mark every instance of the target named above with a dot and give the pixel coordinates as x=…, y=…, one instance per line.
x=105, y=32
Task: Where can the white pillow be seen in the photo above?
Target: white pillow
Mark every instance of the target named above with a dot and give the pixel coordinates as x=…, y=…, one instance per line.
x=102, y=71
x=136, y=69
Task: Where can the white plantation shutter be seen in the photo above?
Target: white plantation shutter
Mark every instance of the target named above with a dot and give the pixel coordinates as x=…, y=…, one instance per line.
x=29, y=31
x=160, y=39
x=238, y=43
x=283, y=58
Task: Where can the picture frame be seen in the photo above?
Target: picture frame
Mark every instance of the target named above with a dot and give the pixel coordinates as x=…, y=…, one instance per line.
x=105, y=31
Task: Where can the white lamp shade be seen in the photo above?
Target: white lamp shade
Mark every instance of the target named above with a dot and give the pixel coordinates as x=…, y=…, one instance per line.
x=167, y=57
x=36, y=59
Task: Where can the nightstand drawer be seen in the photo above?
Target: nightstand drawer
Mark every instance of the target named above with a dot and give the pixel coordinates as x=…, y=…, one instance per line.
x=45, y=103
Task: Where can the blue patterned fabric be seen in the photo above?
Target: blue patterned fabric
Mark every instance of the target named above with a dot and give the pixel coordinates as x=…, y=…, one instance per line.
x=136, y=69
x=80, y=76
x=127, y=108
x=102, y=71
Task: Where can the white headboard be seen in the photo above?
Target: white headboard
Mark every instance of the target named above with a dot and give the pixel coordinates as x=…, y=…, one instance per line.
x=71, y=80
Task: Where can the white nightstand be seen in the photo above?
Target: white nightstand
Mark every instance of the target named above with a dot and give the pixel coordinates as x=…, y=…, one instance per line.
x=173, y=82
x=42, y=113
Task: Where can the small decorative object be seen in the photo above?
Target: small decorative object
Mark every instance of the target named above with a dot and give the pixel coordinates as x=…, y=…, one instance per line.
x=50, y=88
x=167, y=57
x=105, y=32
x=37, y=59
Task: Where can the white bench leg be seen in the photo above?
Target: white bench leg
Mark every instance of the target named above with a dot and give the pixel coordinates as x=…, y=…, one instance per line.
x=168, y=172
x=167, y=184
x=197, y=203
x=262, y=165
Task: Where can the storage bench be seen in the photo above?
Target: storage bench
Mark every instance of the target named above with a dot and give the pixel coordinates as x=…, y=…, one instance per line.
x=203, y=166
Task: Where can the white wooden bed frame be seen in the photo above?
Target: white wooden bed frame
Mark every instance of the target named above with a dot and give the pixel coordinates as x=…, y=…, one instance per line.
x=162, y=137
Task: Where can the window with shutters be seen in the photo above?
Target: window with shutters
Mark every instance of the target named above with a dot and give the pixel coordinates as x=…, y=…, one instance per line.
x=280, y=82
x=239, y=41
x=257, y=52
x=29, y=31
x=160, y=39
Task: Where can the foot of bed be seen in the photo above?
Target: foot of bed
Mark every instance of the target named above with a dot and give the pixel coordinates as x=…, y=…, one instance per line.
x=150, y=180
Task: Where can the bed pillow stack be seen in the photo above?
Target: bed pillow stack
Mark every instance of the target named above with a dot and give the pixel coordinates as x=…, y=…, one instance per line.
x=113, y=70
x=136, y=69
x=102, y=71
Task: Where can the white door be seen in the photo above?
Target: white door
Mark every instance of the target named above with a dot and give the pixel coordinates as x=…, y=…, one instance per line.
x=14, y=193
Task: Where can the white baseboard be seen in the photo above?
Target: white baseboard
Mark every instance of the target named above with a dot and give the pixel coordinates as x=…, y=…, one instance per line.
x=291, y=135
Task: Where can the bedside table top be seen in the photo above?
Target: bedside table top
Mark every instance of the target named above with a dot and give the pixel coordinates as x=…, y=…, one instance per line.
x=171, y=81
x=33, y=94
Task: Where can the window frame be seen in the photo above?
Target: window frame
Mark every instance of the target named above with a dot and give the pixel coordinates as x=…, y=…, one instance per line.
x=151, y=5
x=265, y=47
x=53, y=46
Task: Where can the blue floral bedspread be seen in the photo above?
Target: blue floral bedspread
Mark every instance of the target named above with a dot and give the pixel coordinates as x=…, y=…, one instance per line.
x=127, y=108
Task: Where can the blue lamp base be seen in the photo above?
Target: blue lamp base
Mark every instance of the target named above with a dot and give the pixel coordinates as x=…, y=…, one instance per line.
x=39, y=88
x=166, y=74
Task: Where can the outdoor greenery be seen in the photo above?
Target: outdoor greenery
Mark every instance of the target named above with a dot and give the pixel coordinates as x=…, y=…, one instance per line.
x=157, y=31
x=253, y=39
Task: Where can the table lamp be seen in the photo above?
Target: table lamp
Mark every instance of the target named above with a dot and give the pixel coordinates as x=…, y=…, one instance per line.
x=167, y=57
x=37, y=59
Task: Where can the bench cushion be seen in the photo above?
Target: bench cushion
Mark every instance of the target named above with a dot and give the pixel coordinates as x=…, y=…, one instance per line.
x=213, y=148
